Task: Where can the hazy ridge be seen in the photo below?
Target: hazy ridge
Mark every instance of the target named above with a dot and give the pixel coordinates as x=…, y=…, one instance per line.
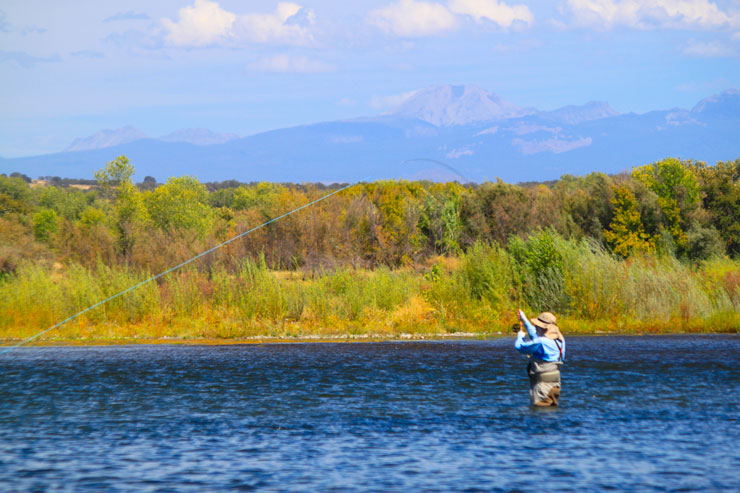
x=467, y=127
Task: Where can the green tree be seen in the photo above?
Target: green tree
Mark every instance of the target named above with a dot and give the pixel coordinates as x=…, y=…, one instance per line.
x=262, y=196
x=14, y=195
x=181, y=205
x=129, y=213
x=587, y=203
x=626, y=234
x=539, y=268
x=68, y=203
x=720, y=186
x=440, y=218
x=15, y=188
x=91, y=216
x=116, y=173
x=45, y=224
x=677, y=189
x=399, y=236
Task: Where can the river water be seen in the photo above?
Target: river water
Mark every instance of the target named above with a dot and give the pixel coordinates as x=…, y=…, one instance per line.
x=647, y=413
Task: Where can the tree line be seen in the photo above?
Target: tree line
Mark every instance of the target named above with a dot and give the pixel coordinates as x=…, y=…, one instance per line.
x=686, y=209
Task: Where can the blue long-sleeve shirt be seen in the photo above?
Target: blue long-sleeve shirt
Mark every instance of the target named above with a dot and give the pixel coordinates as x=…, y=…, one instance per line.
x=542, y=348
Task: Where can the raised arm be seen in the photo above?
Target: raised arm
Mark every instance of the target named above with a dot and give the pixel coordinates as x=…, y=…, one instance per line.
x=527, y=324
x=527, y=346
x=531, y=345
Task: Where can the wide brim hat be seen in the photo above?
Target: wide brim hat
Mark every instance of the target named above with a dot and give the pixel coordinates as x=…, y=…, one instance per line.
x=547, y=322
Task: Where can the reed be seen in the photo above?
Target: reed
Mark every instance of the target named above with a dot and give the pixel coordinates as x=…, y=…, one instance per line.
x=588, y=288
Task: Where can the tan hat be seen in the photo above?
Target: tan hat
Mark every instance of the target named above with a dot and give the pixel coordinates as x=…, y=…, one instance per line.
x=547, y=322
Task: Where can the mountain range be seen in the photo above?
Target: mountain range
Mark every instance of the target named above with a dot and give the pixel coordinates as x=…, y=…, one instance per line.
x=111, y=138
x=441, y=132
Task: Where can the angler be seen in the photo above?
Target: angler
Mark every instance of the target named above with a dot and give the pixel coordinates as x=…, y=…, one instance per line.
x=544, y=345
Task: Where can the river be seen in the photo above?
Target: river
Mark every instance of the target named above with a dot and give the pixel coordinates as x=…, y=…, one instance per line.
x=649, y=413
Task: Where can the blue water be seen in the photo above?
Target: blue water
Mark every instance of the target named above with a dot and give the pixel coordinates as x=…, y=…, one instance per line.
x=647, y=413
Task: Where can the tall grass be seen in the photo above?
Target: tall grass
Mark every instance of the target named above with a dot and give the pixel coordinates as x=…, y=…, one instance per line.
x=589, y=290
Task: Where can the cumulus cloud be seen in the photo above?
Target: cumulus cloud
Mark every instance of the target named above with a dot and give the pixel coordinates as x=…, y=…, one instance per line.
x=415, y=18
x=649, y=14
x=289, y=24
x=290, y=64
x=494, y=11
x=206, y=23
x=411, y=19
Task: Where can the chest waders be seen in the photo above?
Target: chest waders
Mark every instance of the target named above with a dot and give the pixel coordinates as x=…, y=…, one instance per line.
x=544, y=380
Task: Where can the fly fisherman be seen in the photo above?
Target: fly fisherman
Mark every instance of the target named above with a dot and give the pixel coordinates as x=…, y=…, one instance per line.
x=544, y=345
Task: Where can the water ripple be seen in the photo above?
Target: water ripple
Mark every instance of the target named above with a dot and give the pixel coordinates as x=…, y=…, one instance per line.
x=647, y=413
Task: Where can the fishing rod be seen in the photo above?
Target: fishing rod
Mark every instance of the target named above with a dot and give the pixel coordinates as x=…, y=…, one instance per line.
x=444, y=165
x=172, y=269
x=515, y=279
x=210, y=250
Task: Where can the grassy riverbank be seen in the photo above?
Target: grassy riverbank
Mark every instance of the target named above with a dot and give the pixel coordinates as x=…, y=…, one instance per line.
x=590, y=290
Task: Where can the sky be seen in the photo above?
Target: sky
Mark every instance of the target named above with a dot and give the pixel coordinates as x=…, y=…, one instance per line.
x=69, y=69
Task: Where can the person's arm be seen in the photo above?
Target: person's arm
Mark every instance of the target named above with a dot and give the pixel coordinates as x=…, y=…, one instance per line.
x=527, y=324
x=529, y=346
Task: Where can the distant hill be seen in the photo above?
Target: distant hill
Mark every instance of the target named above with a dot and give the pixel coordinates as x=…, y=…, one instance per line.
x=594, y=110
x=457, y=105
x=124, y=135
x=198, y=136
x=465, y=127
x=107, y=138
x=726, y=104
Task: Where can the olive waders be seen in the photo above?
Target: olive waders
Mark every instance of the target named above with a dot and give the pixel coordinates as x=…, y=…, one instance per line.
x=544, y=382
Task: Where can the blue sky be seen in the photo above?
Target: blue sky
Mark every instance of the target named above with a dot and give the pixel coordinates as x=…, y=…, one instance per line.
x=69, y=69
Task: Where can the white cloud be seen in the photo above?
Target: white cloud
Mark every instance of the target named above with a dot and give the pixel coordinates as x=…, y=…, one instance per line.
x=458, y=153
x=416, y=18
x=289, y=24
x=411, y=19
x=648, y=14
x=494, y=11
x=205, y=23
x=709, y=49
x=290, y=64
